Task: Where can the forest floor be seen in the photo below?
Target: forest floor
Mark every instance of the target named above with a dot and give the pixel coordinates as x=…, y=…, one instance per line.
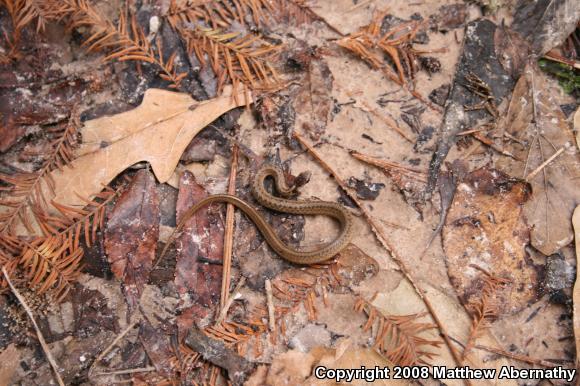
x=448, y=129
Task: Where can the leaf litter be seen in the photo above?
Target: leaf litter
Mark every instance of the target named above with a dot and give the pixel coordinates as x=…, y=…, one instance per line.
x=387, y=297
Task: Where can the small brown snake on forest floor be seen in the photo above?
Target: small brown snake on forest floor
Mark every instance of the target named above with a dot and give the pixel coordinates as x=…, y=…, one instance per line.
x=298, y=255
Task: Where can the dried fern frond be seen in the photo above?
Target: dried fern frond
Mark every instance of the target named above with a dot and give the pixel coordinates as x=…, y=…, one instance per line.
x=26, y=195
x=235, y=58
x=398, y=337
x=126, y=41
x=50, y=265
x=218, y=13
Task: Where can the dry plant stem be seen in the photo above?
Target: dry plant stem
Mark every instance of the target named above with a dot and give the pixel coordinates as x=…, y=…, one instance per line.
x=224, y=311
x=128, y=371
x=270, y=302
x=544, y=164
x=113, y=343
x=229, y=232
x=43, y=344
x=385, y=118
x=560, y=59
x=518, y=357
x=387, y=166
x=388, y=246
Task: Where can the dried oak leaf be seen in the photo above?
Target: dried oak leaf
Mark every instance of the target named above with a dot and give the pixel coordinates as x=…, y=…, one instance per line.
x=485, y=228
x=157, y=131
x=131, y=235
x=535, y=119
x=198, y=268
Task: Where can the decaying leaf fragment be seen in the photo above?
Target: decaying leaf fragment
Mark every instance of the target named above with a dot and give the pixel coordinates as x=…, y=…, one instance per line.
x=484, y=235
x=199, y=248
x=534, y=117
x=131, y=235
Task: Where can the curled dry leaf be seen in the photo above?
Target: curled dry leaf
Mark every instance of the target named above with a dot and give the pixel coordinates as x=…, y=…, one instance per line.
x=485, y=234
x=198, y=269
x=157, y=131
x=131, y=235
x=535, y=119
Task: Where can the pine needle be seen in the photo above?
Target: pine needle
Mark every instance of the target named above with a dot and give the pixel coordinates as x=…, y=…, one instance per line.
x=398, y=337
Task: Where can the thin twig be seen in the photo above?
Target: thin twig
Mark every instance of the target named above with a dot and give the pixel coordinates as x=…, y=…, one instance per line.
x=544, y=164
x=128, y=371
x=113, y=343
x=224, y=310
x=387, y=120
x=388, y=246
x=43, y=344
x=388, y=166
x=270, y=302
x=229, y=232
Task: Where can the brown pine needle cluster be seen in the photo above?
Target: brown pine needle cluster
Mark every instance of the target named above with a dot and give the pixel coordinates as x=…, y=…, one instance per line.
x=234, y=58
x=396, y=44
x=123, y=42
x=49, y=263
x=398, y=337
x=218, y=14
x=484, y=310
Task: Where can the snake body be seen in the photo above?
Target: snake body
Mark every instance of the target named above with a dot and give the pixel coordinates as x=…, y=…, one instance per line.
x=312, y=207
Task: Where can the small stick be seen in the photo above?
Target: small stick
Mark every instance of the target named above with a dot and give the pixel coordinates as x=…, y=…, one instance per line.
x=270, y=300
x=388, y=246
x=230, y=301
x=113, y=343
x=386, y=165
x=544, y=164
x=361, y=4
x=43, y=344
x=127, y=371
x=387, y=120
x=229, y=232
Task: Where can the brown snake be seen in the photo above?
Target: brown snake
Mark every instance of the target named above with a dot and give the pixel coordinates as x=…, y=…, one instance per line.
x=295, y=255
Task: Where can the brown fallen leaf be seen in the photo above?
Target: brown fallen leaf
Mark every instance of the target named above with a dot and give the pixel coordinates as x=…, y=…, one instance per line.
x=485, y=234
x=157, y=344
x=9, y=362
x=199, y=247
x=131, y=235
x=314, y=100
x=157, y=131
x=536, y=120
x=576, y=293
